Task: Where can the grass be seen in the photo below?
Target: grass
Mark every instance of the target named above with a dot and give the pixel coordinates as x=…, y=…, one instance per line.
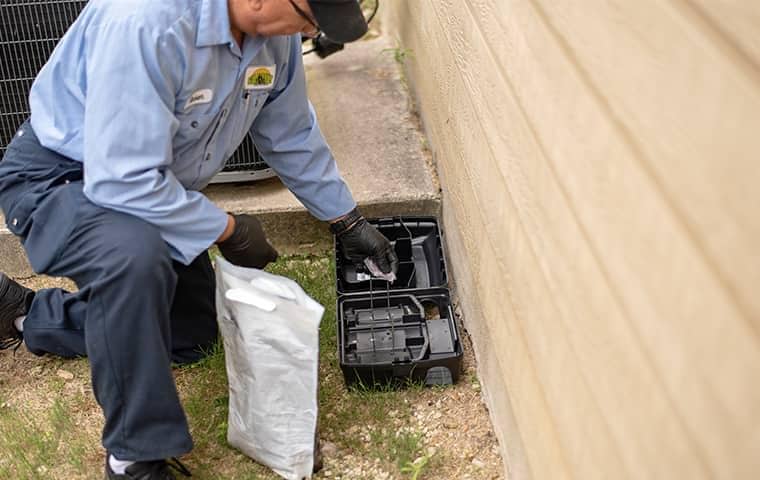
x=370, y=425
x=32, y=444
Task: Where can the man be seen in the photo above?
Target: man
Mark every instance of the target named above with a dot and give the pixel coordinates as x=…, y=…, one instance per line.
x=138, y=107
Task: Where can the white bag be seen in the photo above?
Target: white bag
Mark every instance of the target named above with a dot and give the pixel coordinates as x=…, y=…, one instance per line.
x=270, y=329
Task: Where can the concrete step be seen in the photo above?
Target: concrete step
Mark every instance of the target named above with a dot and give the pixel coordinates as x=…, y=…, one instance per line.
x=363, y=110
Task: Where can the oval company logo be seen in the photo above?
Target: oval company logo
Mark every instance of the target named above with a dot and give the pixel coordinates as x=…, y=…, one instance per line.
x=260, y=76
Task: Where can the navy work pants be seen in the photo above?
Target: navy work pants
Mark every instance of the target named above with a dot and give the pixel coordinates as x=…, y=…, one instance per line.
x=135, y=312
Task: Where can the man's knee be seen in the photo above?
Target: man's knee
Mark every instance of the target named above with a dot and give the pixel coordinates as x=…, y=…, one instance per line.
x=135, y=248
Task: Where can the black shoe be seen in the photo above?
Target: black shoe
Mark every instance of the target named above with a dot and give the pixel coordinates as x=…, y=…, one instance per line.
x=14, y=302
x=156, y=470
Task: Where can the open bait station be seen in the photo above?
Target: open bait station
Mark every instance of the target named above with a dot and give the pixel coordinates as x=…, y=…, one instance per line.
x=405, y=330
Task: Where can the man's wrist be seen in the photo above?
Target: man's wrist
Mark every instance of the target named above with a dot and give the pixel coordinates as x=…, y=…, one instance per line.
x=228, y=230
x=346, y=222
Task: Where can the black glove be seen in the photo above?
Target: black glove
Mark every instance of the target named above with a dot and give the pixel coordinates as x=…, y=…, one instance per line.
x=361, y=240
x=248, y=245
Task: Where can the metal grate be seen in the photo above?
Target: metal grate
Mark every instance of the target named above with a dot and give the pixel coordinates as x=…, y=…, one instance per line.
x=29, y=30
x=246, y=158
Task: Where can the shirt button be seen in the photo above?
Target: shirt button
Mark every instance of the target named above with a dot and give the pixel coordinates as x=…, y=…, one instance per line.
x=67, y=182
x=208, y=157
x=14, y=222
x=194, y=124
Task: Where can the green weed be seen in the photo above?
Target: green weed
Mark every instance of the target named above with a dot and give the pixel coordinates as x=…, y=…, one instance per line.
x=399, y=53
x=415, y=468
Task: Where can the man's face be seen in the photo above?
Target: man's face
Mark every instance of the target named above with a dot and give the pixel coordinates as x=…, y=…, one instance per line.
x=271, y=17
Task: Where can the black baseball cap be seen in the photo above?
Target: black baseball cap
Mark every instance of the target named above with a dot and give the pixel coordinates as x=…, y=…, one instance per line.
x=341, y=21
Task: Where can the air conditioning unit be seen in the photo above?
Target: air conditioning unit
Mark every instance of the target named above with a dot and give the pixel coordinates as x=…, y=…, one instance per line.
x=29, y=30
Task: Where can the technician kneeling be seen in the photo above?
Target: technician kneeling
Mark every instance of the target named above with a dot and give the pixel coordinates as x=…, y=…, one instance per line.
x=136, y=110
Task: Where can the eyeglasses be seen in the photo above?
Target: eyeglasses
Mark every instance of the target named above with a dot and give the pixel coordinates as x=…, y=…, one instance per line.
x=306, y=17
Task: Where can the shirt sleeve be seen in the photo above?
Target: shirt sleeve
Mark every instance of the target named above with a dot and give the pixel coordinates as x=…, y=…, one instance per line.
x=128, y=129
x=287, y=136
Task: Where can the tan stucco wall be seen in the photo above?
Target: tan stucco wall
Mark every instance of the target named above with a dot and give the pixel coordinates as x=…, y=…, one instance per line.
x=600, y=167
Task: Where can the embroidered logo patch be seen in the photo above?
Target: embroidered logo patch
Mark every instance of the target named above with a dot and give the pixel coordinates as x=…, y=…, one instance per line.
x=260, y=77
x=198, y=97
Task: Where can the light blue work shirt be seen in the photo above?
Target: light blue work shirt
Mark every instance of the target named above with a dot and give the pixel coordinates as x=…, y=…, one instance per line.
x=154, y=97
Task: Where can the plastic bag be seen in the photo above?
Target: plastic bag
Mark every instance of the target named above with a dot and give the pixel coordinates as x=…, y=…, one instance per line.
x=270, y=329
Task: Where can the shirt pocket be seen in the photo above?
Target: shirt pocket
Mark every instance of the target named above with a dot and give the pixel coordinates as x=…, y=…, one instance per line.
x=255, y=99
x=253, y=102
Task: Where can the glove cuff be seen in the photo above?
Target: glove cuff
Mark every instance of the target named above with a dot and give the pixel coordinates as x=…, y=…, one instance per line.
x=346, y=223
x=239, y=233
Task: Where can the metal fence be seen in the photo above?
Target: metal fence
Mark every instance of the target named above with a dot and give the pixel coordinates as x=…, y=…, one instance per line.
x=29, y=30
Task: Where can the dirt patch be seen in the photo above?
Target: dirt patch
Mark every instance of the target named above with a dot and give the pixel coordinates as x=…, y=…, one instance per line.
x=453, y=426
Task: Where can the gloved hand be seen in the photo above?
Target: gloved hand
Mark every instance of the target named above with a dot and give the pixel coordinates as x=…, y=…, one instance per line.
x=360, y=240
x=248, y=245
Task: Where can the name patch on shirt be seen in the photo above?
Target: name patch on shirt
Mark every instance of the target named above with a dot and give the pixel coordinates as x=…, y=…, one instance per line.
x=200, y=96
x=260, y=77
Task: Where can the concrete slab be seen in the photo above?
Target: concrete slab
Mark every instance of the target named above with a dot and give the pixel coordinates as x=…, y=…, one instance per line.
x=363, y=110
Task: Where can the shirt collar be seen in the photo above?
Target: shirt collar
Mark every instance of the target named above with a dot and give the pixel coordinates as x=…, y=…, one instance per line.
x=214, y=24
